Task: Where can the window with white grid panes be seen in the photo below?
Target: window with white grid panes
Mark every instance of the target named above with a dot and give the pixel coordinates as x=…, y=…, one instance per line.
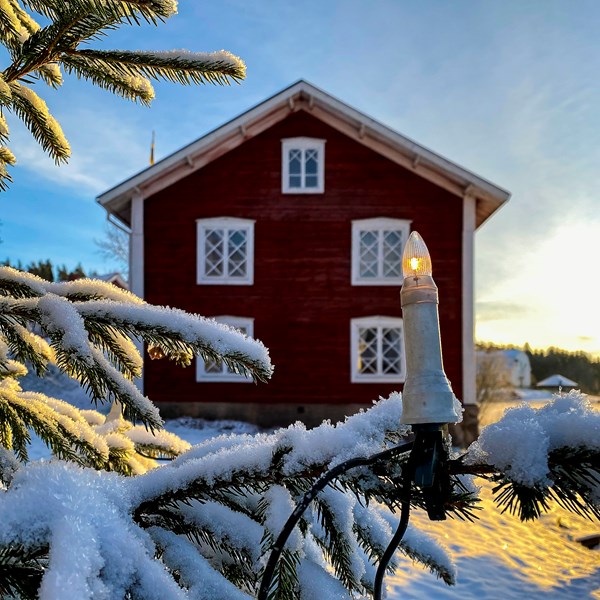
x=302, y=166
x=377, y=246
x=216, y=370
x=225, y=251
x=377, y=350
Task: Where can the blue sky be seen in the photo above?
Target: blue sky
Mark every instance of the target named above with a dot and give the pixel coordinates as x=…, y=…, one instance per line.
x=509, y=90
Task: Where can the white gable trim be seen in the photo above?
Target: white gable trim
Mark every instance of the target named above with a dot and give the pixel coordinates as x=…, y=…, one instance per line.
x=304, y=96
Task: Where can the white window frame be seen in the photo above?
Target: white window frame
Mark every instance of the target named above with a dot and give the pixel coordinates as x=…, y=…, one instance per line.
x=379, y=323
x=378, y=224
x=226, y=375
x=226, y=224
x=303, y=144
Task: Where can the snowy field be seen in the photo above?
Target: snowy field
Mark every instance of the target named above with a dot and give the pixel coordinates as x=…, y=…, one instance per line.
x=498, y=557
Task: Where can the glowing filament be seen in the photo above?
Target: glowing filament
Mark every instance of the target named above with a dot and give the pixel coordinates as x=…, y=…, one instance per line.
x=416, y=260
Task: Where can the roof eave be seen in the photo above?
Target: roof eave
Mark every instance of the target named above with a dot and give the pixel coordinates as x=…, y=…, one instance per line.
x=304, y=96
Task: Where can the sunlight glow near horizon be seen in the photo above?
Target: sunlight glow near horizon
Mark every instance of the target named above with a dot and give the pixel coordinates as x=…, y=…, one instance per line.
x=569, y=317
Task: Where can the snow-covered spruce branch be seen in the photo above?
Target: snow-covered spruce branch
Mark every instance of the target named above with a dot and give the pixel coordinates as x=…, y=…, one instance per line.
x=86, y=329
x=211, y=515
x=89, y=324
x=68, y=437
x=84, y=437
x=535, y=456
x=178, y=66
x=227, y=533
x=333, y=531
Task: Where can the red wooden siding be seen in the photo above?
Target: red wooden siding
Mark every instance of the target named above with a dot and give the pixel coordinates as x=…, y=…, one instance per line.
x=302, y=300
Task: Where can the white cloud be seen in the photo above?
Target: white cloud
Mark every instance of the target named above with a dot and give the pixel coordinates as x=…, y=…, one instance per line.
x=106, y=148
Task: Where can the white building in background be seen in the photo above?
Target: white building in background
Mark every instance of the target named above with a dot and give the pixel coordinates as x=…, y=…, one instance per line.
x=517, y=363
x=114, y=278
x=514, y=364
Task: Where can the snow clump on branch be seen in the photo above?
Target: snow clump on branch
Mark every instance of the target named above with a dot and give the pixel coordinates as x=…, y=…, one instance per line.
x=520, y=442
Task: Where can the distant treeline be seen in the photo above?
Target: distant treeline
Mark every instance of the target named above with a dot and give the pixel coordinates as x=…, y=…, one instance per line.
x=46, y=270
x=578, y=366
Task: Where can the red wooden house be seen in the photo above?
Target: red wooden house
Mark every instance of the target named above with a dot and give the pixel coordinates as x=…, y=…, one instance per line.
x=289, y=223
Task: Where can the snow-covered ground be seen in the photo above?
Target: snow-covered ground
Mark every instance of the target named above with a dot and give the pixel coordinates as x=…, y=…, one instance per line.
x=500, y=557
x=497, y=556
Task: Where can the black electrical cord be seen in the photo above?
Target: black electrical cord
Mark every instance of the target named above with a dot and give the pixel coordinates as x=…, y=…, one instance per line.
x=397, y=537
x=309, y=496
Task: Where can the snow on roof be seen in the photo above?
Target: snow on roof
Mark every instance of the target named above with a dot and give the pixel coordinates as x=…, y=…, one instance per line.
x=115, y=278
x=557, y=381
x=304, y=96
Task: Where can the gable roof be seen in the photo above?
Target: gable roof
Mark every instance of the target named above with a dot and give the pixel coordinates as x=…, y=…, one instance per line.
x=557, y=381
x=304, y=96
x=115, y=278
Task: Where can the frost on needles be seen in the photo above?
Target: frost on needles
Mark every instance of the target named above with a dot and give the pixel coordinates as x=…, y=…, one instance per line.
x=86, y=327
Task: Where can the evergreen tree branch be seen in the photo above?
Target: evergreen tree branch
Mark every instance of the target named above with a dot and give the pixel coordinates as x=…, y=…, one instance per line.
x=151, y=11
x=271, y=509
x=440, y=569
x=105, y=76
x=5, y=177
x=27, y=22
x=161, y=445
x=15, y=26
x=47, y=44
x=37, y=52
x=13, y=430
x=213, y=545
x=560, y=460
x=228, y=494
x=81, y=331
x=16, y=284
x=50, y=74
x=194, y=571
x=10, y=25
x=4, y=133
x=32, y=110
x=11, y=368
x=27, y=347
x=6, y=156
x=118, y=348
x=574, y=479
x=338, y=539
x=21, y=570
x=178, y=333
x=178, y=66
x=67, y=440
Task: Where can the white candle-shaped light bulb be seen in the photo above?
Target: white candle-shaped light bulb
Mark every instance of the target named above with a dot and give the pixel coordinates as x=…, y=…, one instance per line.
x=416, y=260
x=427, y=397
